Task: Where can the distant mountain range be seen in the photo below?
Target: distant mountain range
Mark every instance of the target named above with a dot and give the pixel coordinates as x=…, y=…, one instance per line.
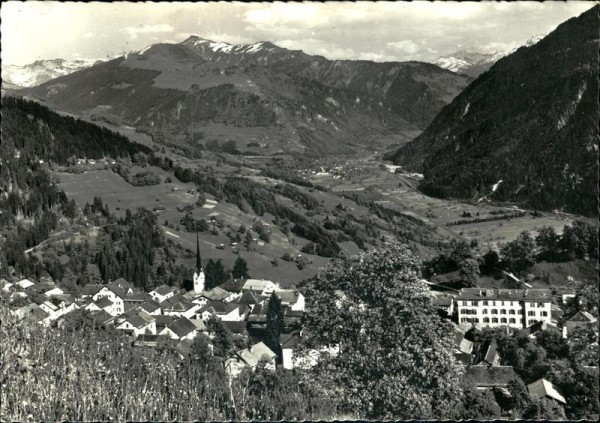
x=303, y=103
x=526, y=130
x=473, y=63
x=40, y=71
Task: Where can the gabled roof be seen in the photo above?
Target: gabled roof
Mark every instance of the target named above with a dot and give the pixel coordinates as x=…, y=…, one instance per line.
x=163, y=321
x=290, y=340
x=200, y=325
x=542, y=295
x=172, y=300
x=542, y=388
x=149, y=306
x=91, y=289
x=233, y=285
x=216, y=294
x=164, y=290
x=102, y=317
x=288, y=312
x=288, y=296
x=494, y=376
x=491, y=353
x=582, y=316
x=180, y=306
x=38, y=314
x=539, y=326
x=218, y=307
x=249, y=297
x=257, y=284
x=462, y=344
x=235, y=327
x=182, y=327
x=137, y=297
x=445, y=301
x=25, y=283
x=251, y=356
x=103, y=302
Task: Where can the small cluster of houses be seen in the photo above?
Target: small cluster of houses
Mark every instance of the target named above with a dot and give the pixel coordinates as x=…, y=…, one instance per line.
x=170, y=313
x=529, y=310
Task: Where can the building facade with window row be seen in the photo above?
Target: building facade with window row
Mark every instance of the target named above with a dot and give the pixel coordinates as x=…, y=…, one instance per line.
x=517, y=308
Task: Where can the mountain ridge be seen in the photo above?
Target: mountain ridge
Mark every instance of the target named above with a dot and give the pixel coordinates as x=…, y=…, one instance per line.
x=530, y=121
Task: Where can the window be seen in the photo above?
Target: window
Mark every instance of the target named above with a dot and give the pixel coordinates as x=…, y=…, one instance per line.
x=485, y=302
x=484, y=311
x=502, y=302
x=474, y=303
x=511, y=312
x=541, y=305
x=503, y=320
x=531, y=322
x=502, y=311
x=460, y=303
x=486, y=320
x=531, y=313
x=494, y=311
x=494, y=303
x=494, y=320
x=511, y=303
x=545, y=313
x=512, y=320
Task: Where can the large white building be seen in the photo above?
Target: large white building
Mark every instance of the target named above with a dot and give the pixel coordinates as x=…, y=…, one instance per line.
x=517, y=308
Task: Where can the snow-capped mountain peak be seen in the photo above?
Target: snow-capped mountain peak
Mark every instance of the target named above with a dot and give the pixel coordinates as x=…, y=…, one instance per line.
x=40, y=71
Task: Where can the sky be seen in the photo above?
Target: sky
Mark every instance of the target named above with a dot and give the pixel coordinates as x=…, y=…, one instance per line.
x=379, y=31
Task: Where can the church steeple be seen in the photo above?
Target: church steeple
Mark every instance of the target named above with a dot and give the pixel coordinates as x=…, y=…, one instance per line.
x=198, y=258
x=199, y=277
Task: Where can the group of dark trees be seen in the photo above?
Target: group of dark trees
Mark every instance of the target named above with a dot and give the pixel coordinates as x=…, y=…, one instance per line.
x=579, y=241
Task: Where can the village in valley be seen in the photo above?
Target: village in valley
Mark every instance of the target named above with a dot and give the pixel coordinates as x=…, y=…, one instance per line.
x=281, y=222
x=243, y=308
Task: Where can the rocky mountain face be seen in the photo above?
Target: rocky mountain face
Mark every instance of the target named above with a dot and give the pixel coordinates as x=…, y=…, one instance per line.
x=474, y=63
x=40, y=71
x=305, y=103
x=525, y=131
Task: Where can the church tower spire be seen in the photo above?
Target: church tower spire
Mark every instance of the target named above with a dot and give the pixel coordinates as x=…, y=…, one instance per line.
x=198, y=258
x=199, y=277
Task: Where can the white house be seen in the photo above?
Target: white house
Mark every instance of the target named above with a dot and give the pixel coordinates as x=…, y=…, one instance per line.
x=182, y=329
x=249, y=358
x=517, y=308
x=25, y=283
x=162, y=293
x=54, y=291
x=289, y=343
x=115, y=299
x=292, y=299
x=139, y=323
x=260, y=286
x=229, y=312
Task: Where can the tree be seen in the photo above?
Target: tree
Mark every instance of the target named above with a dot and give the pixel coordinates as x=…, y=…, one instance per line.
x=469, y=271
x=215, y=273
x=478, y=405
x=240, y=268
x=518, y=255
x=548, y=243
x=390, y=356
x=222, y=341
x=490, y=260
x=274, y=324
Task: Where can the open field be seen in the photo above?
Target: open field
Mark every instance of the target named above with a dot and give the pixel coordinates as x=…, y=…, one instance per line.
x=120, y=195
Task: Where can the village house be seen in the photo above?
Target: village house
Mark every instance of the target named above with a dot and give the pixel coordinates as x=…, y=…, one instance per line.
x=490, y=377
x=53, y=292
x=151, y=308
x=543, y=389
x=102, y=304
x=34, y=312
x=180, y=329
x=463, y=348
x=250, y=299
x=292, y=299
x=135, y=299
x=444, y=303
x=488, y=355
x=163, y=292
x=581, y=318
x=24, y=284
x=517, y=308
x=138, y=323
x=58, y=306
x=97, y=292
x=222, y=311
x=260, y=286
x=289, y=342
x=249, y=358
x=177, y=307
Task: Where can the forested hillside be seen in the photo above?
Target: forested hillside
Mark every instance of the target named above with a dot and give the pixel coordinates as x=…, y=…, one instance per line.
x=525, y=131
